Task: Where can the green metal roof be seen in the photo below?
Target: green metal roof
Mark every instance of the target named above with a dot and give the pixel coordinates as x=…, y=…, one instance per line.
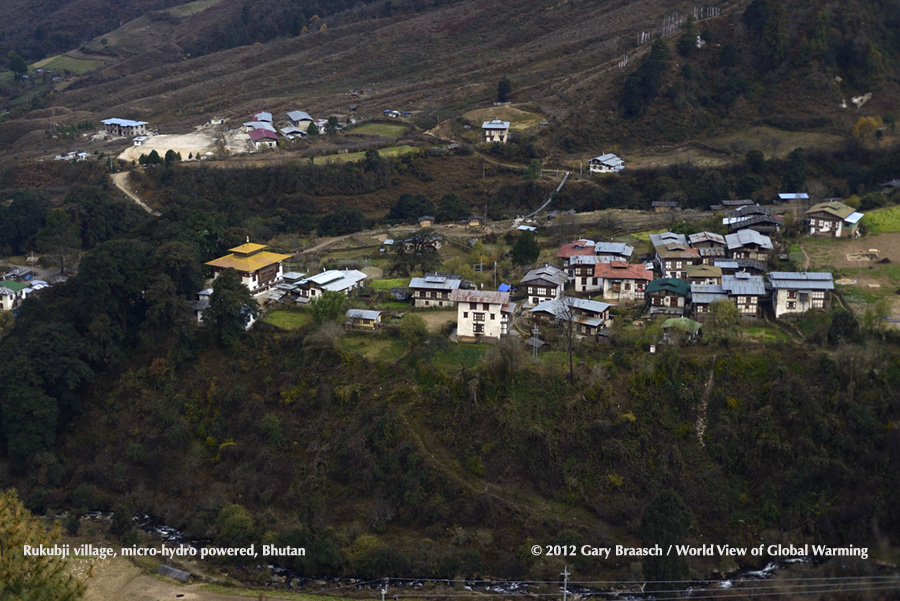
x=671, y=284
x=13, y=285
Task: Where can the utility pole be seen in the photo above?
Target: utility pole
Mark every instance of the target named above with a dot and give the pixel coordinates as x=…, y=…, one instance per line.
x=565, y=575
x=384, y=588
x=534, y=334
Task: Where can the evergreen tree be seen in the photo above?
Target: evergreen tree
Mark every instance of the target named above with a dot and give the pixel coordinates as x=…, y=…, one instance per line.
x=27, y=577
x=331, y=127
x=795, y=174
x=330, y=306
x=504, y=89
x=665, y=522
x=312, y=130
x=525, y=251
x=230, y=307
x=60, y=238
x=17, y=65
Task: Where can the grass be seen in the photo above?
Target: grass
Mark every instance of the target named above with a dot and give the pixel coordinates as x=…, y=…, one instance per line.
x=764, y=334
x=288, y=320
x=388, y=130
x=883, y=221
x=518, y=119
x=459, y=355
x=266, y=593
x=375, y=347
x=393, y=151
x=388, y=284
x=78, y=66
x=191, y=8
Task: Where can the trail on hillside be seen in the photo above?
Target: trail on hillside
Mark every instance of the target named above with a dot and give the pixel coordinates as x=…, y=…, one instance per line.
x=120, y=179
x=704, y=401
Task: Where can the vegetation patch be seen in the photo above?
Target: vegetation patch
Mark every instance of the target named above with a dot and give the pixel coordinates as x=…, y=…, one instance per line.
x=66, y=63
x=388, y=284
x=388, y=130
x=191, y=8
x=288, y=320
x=393, y=151
x=518, y=119
x=883, y=221
x=374, y=347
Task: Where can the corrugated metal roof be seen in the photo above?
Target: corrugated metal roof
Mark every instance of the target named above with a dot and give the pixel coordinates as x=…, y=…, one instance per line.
x=667, y=237
x=363, y=314
x=706, y=237
x=495, y=124
x=558, y=307
x=743, y=238
x=124, y=122
x=703, y=294
x=480, y=296
x=744, y=284
x=435, y=283
x=793, y=280
x=299, y=116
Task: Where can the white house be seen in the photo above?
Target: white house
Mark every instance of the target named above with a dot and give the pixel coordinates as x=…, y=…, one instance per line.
x=623, y=281
x=589, y=316
x=495, y=131
x=125, y=127
x=482, y=315
x=263, y=138
x=334, y=280
x=258, y=269
x=833, y=218
x=796, y=293
x=300, y=119
x=11, y=293
x=606, y=163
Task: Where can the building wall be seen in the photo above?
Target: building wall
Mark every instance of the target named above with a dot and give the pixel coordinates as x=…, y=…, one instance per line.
x=539, y=294
x=491, y=321
x=624, y=290
x=430, y=299
x=798, y=303
x=825, y=226
x=496, y=135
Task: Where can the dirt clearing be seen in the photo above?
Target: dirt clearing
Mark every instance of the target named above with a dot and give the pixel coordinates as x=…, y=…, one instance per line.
x=197, y=143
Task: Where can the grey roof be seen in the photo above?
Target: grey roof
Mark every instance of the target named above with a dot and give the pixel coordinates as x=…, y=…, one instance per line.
x=293, y=276
x=609, y=159
x=727, y=264
x=299, y=116
x=613, y=248
x=495, y=124
x=743, y=238
x=557, y=307
x=744, y=284
x=337, y=280
x=854, y=217
x=436, y=282
x=706, y=237
x=263, y=116
x=363, y=314
x=793, y=280
x=666, y=237
x=703, y=294
x=793, y=196
x=123, y=122
x=264, y=125
x=548, y=273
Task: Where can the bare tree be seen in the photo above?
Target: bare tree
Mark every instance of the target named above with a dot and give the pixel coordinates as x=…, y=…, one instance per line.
x=567, y=314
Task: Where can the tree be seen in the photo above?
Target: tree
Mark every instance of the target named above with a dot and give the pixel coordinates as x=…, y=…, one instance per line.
x=775, y=35
x=28, y=577
x=332, y=126
x=17, y=65
x=567, y=314
x=756, y=160
x=525, y=251
x=329, y=306
x=665, y=522
x=724, y=319
x=795, y=175
x=409, y=207
x=231, y=307
x=504, y=89
x=60, y=238
x=345, y=220
x=413, y=328
x=312, y=130
x=416, y=251
x=533, y=172
x=171, y=157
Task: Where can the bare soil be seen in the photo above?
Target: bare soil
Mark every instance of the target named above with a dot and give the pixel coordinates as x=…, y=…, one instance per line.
x=196, y=143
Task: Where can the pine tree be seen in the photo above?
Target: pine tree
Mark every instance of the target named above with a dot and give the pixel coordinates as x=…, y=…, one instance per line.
x=230, y=307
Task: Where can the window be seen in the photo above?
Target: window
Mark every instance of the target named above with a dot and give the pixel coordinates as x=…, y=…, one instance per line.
x=473, y=306
x=792, y=294
x=493, y=316
x=485, y=307
x=535, y=300
x=791, y=305
x=478, y=316
x=478, y=328
x=465, y=315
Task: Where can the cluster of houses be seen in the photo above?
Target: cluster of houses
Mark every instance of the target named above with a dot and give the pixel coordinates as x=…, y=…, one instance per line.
x=16, y=285
x=683, y=277
x=264, y=134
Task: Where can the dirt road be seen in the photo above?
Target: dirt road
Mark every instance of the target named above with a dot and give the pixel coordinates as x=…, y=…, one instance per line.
x=121, y=181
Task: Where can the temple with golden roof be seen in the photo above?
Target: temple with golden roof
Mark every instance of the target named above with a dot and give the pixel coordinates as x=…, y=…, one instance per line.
x=259, y=269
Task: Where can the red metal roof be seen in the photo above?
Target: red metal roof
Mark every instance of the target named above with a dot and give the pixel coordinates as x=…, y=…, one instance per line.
x=621, y=269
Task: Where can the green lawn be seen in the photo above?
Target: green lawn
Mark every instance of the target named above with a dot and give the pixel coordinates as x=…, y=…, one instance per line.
x=191, y=8
x=459, y=355
x=65, y=63
x=375, y=347
x=883, y=221
x=287, y=319
x=393, y=151
x=388, y=130
x=388, y=284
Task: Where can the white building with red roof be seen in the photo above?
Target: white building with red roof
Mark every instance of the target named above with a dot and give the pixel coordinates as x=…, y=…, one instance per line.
x=623, y=281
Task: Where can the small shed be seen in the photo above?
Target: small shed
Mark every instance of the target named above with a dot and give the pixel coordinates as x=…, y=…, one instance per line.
x=363, y=319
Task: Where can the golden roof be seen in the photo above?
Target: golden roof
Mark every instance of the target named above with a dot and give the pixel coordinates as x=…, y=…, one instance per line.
x=248, y=264
x=247, y=249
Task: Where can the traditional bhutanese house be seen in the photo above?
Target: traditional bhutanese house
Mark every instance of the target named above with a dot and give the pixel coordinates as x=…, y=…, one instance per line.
x=792, y=196
x=707, y=240
x=543, y=284
x=200, y=305
x=726, y=205
x=606, y=163
x=475, y=221
x=495, y=131
x=434, y=290
x=263, y=138
x=833, y=218
x=673, y=259
x=579, y=248
x=703, y=295
x=704, y=274
x=709, y=255
x=300, y=119
x=749, y=244
x=363, y=319
x=581, y=271
x=11, y=294
x=258, y=268
x=664, y=206
x=677, y=327
x=334, y=280
x=263, y=116
x=482, y=315
x=589, y=316
x=426, y=221
x=746, y=291
x=756, y=217
x=290, y=132
x=249, y=126
x=288, y=290
x=796, y=293
x=125, y=127
x=668, y=296
x=623, y=281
